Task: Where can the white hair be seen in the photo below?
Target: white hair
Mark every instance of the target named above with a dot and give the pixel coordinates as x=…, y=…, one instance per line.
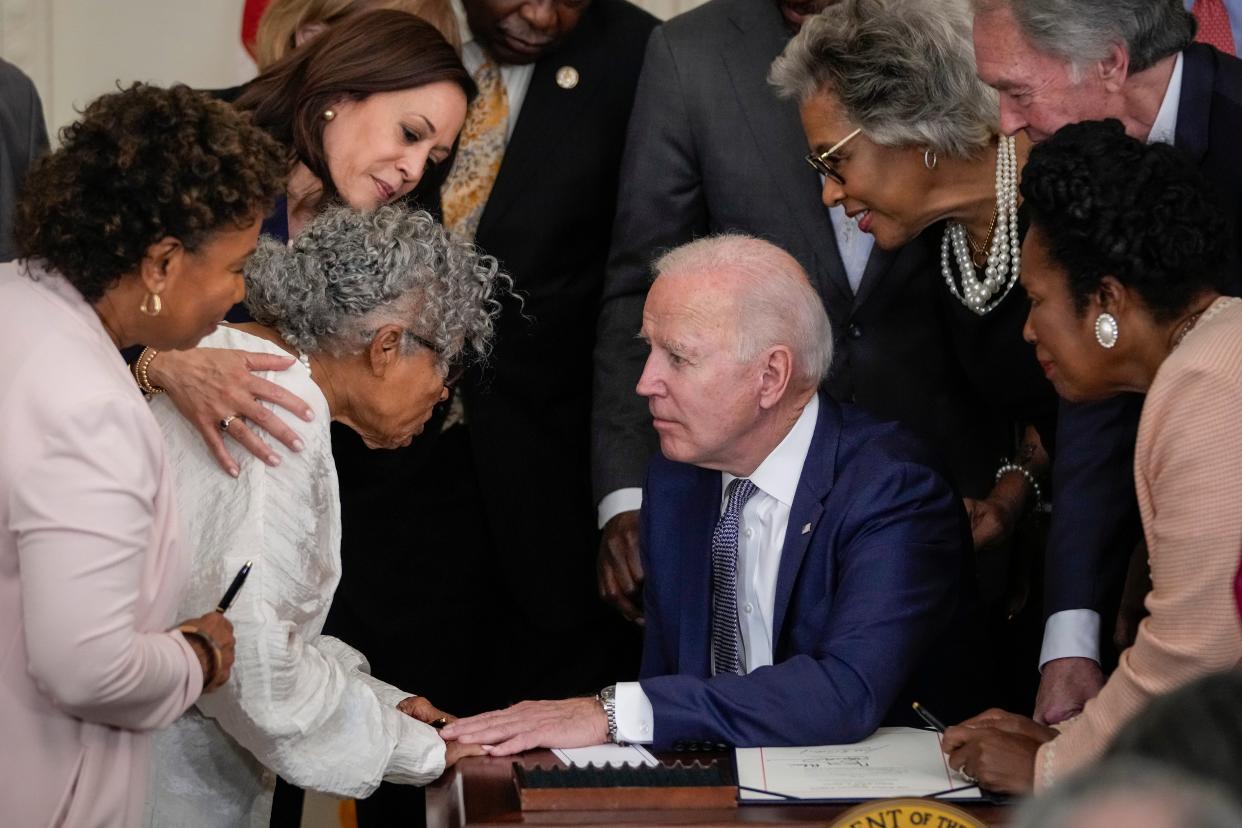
x=777, y=305
x=1081, y=32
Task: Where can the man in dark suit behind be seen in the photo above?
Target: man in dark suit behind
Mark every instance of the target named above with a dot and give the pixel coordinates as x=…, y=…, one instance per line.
x=467, y=566
x=712, y=149
x=23, y=138
x=1061, y=61
x=808, y=566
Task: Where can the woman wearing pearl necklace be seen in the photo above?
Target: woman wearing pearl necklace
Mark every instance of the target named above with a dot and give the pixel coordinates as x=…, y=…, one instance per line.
x=904, y=137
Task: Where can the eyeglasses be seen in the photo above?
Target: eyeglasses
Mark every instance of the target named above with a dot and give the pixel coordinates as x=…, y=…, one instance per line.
x=823, y=162
x=453, y=371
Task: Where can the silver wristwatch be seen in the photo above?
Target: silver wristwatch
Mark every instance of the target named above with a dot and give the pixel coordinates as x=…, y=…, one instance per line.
x=607, y=699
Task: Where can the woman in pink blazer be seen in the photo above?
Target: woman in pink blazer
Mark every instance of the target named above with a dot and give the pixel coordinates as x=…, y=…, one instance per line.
x=135, y=230
x=1125, y=265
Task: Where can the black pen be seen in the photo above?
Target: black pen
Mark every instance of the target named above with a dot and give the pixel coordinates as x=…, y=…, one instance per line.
x=926, y=715
x=231, y=592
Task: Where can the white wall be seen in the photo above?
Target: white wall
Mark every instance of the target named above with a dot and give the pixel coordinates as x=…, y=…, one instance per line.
x=75, y=50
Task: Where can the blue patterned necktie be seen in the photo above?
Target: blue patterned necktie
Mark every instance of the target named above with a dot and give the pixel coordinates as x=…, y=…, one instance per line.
x=726, y=640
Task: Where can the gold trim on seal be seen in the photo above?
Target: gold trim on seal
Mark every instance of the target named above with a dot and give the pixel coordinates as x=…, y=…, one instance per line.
x=907, y=813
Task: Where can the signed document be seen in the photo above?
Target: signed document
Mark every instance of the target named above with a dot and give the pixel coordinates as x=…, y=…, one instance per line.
x=894, y=762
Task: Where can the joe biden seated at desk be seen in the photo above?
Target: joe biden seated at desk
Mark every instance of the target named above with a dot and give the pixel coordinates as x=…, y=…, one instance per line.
x=807, y=567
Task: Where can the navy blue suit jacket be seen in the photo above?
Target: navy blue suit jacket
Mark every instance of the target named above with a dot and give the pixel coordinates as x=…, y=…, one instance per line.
x=1095, y=521
x=872, y=605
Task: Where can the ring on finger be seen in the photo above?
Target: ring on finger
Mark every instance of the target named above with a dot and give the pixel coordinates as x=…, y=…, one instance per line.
x=227, y=421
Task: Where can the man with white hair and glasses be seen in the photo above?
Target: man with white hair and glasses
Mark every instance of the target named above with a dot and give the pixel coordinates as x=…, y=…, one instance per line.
x=1056, y=62
x=808, y=567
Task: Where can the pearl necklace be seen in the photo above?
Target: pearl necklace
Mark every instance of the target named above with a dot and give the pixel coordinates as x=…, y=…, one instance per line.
x=1001, y=272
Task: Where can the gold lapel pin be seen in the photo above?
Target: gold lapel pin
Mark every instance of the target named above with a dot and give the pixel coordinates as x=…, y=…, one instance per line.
x=567, y=77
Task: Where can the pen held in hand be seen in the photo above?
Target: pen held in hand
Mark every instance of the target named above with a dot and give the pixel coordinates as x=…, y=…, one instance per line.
x=231, y=592
x=926, y=715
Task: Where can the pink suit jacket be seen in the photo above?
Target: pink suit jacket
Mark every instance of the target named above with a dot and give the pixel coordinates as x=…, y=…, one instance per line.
x=91, y=567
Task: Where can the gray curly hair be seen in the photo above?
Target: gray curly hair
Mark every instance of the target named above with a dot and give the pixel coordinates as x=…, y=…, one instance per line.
x=349, y=273
x=903, y=70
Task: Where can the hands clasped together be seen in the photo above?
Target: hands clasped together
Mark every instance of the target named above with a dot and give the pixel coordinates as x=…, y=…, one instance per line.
x=997, y=749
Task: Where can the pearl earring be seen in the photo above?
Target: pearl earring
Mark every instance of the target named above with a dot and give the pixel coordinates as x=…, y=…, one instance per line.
x=929, y=159
x=1106, y=330
x=151, y=304
x=329, y=114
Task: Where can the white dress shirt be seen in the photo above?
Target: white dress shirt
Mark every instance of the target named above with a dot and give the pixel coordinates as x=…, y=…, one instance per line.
x=516, y=78
x=853, y=244
x=761, y=537
x=1076, y=633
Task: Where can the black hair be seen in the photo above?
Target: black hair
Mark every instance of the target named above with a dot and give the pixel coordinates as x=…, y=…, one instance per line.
x=1106, y=204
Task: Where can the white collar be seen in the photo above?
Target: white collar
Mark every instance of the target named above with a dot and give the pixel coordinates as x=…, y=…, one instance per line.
x=1164, y=128
x=780, y=471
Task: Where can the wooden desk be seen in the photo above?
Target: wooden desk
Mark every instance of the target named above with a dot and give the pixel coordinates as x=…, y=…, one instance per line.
x=479, y=791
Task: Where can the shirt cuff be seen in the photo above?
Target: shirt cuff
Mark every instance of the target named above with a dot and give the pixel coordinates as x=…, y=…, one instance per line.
x=418, y=756
x=622, y=500
x=635, y=718
x=1071, y=634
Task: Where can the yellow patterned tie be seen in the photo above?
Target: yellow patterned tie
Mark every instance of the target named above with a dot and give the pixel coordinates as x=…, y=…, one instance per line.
x=479, y=153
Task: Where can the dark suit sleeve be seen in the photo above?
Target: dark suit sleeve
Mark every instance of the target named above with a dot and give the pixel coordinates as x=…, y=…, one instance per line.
x=23, y=138
x=660, y=206
x=36, y=143
x=658, y=658
x=893, y=579
x=1095, y=521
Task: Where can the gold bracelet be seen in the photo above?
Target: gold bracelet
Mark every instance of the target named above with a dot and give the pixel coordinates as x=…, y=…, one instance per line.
x=217, y=657
x=140, y=372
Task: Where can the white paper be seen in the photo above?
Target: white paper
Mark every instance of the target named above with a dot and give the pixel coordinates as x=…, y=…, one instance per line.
x=631, y=755
x=894, y=762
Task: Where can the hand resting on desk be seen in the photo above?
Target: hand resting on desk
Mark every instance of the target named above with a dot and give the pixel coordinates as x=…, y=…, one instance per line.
x=567, y=723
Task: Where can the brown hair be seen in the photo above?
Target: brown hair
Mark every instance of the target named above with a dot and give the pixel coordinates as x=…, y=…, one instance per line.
x=278, y=28
x=141, y=164
x=376, y=51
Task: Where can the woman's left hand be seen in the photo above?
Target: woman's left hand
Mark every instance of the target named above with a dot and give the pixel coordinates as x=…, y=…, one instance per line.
x=997, y=749
x=455, y=751
x=422, y=709
x=992, y=520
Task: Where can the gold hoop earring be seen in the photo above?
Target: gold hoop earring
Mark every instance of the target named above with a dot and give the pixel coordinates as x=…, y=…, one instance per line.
x=329, y=114
x=151, y=304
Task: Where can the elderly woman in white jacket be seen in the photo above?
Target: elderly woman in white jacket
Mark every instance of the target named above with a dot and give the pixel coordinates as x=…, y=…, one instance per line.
x=377, y=307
